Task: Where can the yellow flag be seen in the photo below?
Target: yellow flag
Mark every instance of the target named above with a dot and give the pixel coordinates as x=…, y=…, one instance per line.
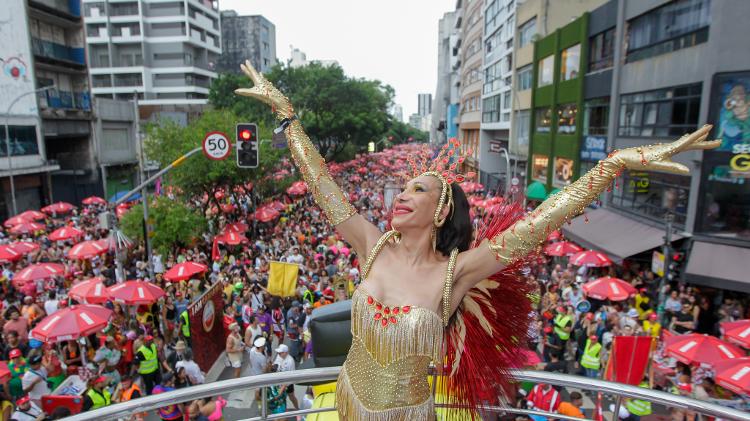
x=282, y=279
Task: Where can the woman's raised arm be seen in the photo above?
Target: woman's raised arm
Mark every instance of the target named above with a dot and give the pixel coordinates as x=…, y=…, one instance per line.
x=355, y=229
x=530, y=232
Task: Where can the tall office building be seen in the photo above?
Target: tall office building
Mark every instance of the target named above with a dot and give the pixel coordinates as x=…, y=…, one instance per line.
x=246, y=38
x=165, y=51
x=471, y=26
x=424, y=104
x=445, y=106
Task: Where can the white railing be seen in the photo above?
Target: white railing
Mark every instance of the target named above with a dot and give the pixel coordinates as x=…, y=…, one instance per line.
x=224, y=387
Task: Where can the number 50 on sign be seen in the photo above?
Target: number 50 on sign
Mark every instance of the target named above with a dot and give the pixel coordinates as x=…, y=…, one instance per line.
x=216, y=146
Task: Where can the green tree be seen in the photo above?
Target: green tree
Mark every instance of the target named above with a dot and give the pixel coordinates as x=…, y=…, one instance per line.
x=335, y=110
x=400, y=132
x=167, y=141
x=175, y=224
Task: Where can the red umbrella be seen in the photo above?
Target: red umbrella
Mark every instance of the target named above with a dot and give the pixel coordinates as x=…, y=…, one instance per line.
x=4, y=371
x=590, y=258
x=72, y=323
x=737, y=332
x=27, y=228
x=16, y=220
x=239, y=227
x=278, y=205
x=9, y=254
x=58, y=208
x=266, y=214
x=87, y=249
x=25, y=247
x=554, y=235
x=362, y=170
x=33, y=215
x=231, y=238
x=121, y=209
x=90, y=291
x=701, y=349
x=38, y=271
x=94, y=200
x=227, y=207
x=608, y=288
x=476, y=201
x=184, y=271
x=298, y=188
x=136, y=292
x=734, y=375
x=65, y=233
x=562, y=248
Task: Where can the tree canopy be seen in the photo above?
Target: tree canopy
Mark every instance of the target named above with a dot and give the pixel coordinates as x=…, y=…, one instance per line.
x=175, y=224
x=336, y=110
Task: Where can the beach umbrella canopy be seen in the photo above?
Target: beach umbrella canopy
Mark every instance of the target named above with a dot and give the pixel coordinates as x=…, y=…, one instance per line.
x=90, y=291
x=536, y=191
x=25, y=247
x=71, y=323
x=136, y=292
x=608, y=288
x=737, y=332
x=701, y=349
x=65, y=233
x=184, y=271
x=58, y=208
x=33, y=215
x=9, y=254
x=277, y=204
x=266, y=214
x=16, y=220
x=94, y=200
x=297, y=188
x=87, y=249
x=115, y=197
x=734, y=375
x=554, y=236
x=561, y=248
x=239, y=227
x=27, y=228
x=231, y=238
x=590, y=258
x=38, y=271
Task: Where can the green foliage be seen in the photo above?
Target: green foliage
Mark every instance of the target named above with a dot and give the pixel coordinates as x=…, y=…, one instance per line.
x=400, y=132
x=168, y=141
x=174, y=223
x=335, y=109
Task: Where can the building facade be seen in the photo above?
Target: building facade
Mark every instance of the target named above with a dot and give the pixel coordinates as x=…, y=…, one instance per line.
x=246, y=38
x=424, y=104
x=471, y=26
x=162, y=52
x=445, y=105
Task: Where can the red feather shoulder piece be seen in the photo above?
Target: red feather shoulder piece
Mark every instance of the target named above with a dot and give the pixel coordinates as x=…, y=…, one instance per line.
x=487, y=332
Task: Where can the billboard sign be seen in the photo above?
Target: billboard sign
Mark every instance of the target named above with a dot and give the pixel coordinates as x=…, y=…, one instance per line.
x=16, y=66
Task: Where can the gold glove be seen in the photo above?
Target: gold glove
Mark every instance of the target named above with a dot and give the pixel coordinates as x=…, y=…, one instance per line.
x=326, y=193
x=531, y=231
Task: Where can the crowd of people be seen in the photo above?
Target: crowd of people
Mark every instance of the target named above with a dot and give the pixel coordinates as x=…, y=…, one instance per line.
x=152, y=352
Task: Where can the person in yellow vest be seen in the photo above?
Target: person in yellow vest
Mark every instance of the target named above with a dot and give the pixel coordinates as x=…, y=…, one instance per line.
x=590, y=359
x=638, y=408
x=148, y=367
x=652, y=327
x=128, y=390
x=185, y=327
x=97, y=396
x=563, y=325
x=643, y=304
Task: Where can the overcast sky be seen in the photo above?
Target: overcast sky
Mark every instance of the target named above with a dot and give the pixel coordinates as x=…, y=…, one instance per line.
x=394, y=41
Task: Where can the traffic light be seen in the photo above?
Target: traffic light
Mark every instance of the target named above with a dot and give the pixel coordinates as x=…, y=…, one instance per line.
x=247, y=145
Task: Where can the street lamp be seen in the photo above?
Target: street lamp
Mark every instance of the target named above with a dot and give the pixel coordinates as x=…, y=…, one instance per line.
x=7, y=142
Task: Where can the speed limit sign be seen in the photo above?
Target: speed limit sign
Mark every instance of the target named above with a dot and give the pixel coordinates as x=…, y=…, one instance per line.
x=216, y=146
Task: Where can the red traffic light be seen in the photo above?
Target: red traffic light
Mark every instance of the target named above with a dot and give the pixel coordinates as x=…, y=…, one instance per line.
x=246, y=134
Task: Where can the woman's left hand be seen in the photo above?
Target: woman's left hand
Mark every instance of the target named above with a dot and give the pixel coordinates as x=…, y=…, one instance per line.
x=659, y=157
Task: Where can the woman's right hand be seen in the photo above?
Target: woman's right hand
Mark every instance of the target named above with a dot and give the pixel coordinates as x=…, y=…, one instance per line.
x=264, y=91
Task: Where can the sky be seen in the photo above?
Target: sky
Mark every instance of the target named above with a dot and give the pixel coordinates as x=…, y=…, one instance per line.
x=394, y=41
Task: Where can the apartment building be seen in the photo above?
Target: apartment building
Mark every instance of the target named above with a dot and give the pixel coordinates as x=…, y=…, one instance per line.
x=471, y=25
x=445, y=104
x=246, y=38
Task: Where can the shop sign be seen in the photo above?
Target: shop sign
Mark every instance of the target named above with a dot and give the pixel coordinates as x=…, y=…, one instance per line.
x=495, y=147
x=594, y=148
x=563, y=171
x=657, y=263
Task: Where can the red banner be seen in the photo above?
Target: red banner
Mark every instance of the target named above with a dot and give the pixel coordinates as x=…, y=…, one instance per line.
x=206, y=329
x=629, y=359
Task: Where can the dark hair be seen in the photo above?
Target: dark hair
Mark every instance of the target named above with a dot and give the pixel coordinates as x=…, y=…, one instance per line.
x=457, y=230
x=575, y=395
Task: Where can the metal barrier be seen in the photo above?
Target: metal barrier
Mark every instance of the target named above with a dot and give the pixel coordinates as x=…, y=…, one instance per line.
x=224, y=387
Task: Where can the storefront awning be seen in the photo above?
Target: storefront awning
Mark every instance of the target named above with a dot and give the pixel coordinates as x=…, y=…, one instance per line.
x=719, y=266
x=617, y=235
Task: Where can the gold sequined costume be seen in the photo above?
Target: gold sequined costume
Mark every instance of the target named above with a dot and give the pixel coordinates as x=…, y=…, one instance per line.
x=385, y=374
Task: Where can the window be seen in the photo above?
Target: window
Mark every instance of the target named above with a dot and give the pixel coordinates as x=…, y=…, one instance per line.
x=491, y=14
x=653, y=194
x=472, y=75
x=570, y=62
x=566, y=118
x=492, y=78
x=663, y=112
x=506, y=100
x=116, y=140
x=22, y=141
x=543, y=117
x=602, y=50
x=491, y=109
x=526, y=32
x=546, y=67
x=524, y=78
x=493, y=42
x=679, y=24
x=539, y=167
x=596, y=117
x=522, y=128
x=563, y=172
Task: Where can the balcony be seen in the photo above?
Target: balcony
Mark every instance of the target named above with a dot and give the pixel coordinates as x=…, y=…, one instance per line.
x=58, y=52
x=319, y=375
x=69, y=9
x=64, y=100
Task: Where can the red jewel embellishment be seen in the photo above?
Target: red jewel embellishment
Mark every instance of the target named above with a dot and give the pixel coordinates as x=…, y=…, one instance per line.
x=370, y=300
x=396, y=310
x=387, y=310
x=392, y=320
x=378, y=306
x=405, y=309
x=384, y=322
x=378, y=316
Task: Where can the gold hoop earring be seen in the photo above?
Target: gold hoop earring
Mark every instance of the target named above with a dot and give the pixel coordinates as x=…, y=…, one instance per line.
x=433, y=234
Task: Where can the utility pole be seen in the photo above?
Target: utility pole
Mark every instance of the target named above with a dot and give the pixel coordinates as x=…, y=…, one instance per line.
x=144, y=190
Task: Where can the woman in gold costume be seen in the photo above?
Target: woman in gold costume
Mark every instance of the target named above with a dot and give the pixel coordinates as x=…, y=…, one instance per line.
x=420, y=273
